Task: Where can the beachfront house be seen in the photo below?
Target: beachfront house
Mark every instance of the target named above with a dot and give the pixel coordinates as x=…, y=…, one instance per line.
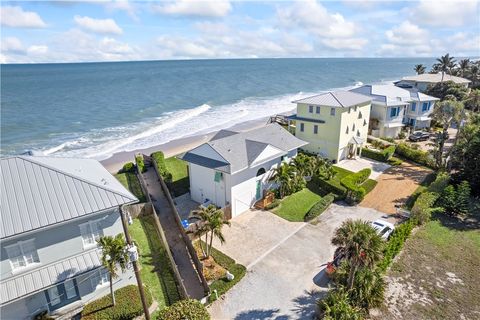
x=422, y=81
x=393, y=108
x=233, y=169
x=334, y=124
x=53, y=211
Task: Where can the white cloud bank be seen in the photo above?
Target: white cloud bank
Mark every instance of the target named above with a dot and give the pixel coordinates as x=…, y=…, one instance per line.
x=102, y=26
x=15, y=17
x=446, y=13
x=196, y=8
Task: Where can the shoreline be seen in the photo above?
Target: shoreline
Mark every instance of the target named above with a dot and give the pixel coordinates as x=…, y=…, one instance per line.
x=178, y=146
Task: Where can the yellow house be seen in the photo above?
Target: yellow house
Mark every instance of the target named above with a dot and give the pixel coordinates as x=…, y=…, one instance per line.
x=335, y=124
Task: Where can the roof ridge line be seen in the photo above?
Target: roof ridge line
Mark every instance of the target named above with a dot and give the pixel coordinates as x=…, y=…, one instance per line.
x=333, y=95
x=73, y=176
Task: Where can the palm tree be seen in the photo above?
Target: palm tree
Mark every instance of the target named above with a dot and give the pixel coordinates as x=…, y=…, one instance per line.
x=369, y=289
x=419, y=69
x=473, y=100
x=445, y=64
x=216, y=221
x=114, y=255
x=361, y=244
x=304, y=164
x=284, y=175
x=463, y=66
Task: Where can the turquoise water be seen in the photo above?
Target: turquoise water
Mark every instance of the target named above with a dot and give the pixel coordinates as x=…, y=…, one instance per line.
x=97, y=109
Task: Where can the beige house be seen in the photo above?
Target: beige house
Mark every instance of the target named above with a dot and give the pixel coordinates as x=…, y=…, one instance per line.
x=422, y=81
x=335, y=124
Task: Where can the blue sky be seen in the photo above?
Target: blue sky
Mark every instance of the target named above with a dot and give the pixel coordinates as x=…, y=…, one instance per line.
x=76, y=31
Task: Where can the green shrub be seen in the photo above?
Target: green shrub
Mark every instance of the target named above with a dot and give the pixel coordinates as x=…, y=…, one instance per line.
x=369, y=185
x=372, y=154
x=128, y=167
x=463, y=198
x=319, y=207
x=275, y=203
x=395, y=243
x=422, y=209
x=330, y=186
x=448, y=200
x=393, y=161
x=411, y=152
x=159, y=159
x=441, y=181
x=337, y=305
x=128, y=305
x=402, y=135
x=391, y=140
x=388, y=152
x=140, y=163
x=190, y=309
x=355, y=192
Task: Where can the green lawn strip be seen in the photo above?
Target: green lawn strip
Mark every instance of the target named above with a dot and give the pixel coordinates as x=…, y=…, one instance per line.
x=178, y=168
x=369, y=185
x=156, y=272
x=130, y=181
x=295, y=206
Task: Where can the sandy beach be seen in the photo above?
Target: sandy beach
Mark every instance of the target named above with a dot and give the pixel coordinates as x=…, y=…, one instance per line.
x=175, y=147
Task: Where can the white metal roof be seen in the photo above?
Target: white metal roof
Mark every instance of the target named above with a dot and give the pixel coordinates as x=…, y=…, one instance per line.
x=337, y=99
x=435, y=77
x=391, y=95
x=40, y=191
x=41, y=278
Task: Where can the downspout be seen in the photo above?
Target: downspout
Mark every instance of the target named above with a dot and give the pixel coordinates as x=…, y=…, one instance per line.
x=135, y=266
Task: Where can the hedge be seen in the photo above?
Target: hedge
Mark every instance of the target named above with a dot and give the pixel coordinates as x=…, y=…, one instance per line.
x=127, y=167
x=140, y=163
x=190, y=309
x=223, y=285
x=418, y=156
x=128, y=305
x=422, y=208
x=395, y=243
x=331, y=186
x=382, y=156
x=353, y=182
x=319, y=207
x=159, y=159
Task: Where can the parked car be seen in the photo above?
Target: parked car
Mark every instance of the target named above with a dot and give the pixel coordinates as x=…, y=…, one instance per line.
x=332, y=266
x=419, y=136
x=383, y=228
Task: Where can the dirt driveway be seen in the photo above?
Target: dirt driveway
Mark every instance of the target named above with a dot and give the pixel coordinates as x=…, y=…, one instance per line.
x=394, y=186
x=285, y=280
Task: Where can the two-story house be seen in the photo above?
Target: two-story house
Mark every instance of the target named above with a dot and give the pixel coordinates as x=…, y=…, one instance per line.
x=53, y=210
x=233, y=169
x=422, y=81
x=335, y=124
x=394, y=107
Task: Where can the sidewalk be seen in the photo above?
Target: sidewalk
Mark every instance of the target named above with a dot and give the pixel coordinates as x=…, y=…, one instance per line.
x=177, y=245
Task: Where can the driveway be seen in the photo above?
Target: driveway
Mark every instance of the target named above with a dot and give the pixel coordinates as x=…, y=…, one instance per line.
x=394, y=186
x=284, y=281
x=358, y=164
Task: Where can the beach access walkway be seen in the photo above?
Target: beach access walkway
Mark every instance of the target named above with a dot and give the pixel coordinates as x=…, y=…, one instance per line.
x=178, y=248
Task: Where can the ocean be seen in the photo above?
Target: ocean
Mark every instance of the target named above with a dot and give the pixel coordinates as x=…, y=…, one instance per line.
x=97, y=109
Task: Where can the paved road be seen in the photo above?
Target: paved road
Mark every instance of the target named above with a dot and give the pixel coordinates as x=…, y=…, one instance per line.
x=285, y=281
x=175, y=241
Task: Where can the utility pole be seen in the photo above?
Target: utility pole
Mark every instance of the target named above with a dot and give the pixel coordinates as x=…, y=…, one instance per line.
x=135, y=267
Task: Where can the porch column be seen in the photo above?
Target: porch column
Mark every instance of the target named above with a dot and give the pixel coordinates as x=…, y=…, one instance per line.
x=360, y=153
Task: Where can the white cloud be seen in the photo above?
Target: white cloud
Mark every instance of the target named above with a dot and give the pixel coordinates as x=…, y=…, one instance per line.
x=347, y=44
x=446, y=13
x=12, y=44
x=112, y=46
x=104, y=26
x=183, y=48
x=129, y=8
x=464, y=43
x=15, y=17
x=195, y=8
x=407, y=33
x=37, y=50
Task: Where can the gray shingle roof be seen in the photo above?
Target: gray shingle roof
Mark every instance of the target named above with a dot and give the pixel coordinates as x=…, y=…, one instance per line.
x=41, y=278
x=241, y=149
x=337, y=99
x=40, y=191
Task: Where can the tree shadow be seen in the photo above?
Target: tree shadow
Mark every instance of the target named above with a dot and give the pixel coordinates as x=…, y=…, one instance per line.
x=179, y=187
x=306, y=304
x=471, y=222
x=261, y=314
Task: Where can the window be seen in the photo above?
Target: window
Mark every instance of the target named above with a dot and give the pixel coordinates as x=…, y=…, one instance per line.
x=424, y=106
x=332, y=111
x=22, y=254
x=315, y=129
x=317, y=110
x=358, y=133
x=99, y=278
x=364, y=123
x=360, y=116
x=302, y=127
x=62, y=294
x=414, y=106
x=262, y=171
x=349, y=109
x=310, y=109
x=347, y=130
x=394, y=112
x=353, y=127
x=355, y=109
x=91, y=232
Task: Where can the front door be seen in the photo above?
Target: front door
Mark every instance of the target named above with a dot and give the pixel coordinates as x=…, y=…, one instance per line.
x=62, y=294
x=258, y=194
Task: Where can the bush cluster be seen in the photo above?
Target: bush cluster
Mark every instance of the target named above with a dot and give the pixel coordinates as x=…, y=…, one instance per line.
x=128, y=167
x=353, y=184
x=382, y=156
x=395, y=243
x=416, y=155
x=329, y=186
x=422, y=209
x=128, y=305
x=275, y=203
x=159, y=159
x=319, y=207
x=190, y=309
x=456, y=201
x=140, y=163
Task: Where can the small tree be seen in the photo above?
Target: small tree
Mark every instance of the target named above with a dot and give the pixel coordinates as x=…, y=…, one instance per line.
x=337, y=305
x=114, y=255
x=419, y=69
x=448, y=199
x=463, y=198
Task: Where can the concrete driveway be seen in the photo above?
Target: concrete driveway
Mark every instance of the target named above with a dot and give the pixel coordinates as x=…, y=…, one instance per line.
x=285, y=280
x=358, y=164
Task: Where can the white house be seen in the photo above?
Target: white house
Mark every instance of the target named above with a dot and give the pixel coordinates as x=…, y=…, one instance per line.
x=394, y=107
x=422, y=81
x=53, y=210
x=234, y=168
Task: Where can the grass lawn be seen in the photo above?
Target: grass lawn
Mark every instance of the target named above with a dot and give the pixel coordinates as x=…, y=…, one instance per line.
x=436, y=276
x=130, y=181
x=178, y=168
x=294, y=207
x=341, y=173
x=156, y=272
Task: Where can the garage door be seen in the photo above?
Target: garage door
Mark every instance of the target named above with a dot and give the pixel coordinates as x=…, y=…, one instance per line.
x=242, y=203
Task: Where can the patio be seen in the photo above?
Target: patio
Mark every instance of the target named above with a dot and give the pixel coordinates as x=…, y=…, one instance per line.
x=358, y=164
x=185, y=205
